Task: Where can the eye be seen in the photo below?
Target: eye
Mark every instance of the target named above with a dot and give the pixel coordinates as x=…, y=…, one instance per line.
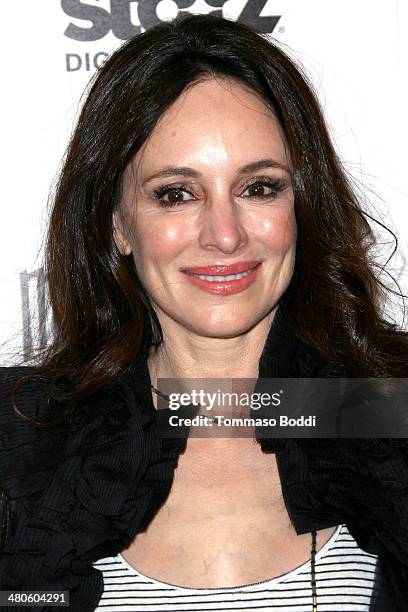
x=173, y=194
x=170, y=196
x=265, y=189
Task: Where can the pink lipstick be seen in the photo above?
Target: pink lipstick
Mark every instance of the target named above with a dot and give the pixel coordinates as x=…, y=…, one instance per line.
x=223, y=279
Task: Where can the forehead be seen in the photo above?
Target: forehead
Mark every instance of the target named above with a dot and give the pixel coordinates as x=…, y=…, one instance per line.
x=212, y=123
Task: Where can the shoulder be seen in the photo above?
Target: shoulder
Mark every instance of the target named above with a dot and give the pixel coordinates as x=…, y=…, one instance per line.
x=25, y=447
x=360, y=482
x=30, y=455
x=30, y=395
x=25, y=451
x=30, y=399
x=78, y=492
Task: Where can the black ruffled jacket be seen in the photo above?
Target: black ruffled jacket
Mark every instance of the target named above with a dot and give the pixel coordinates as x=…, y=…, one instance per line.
x=82, y=491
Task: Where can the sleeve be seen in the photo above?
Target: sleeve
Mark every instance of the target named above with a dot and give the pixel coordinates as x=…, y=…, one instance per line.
x=76, y=492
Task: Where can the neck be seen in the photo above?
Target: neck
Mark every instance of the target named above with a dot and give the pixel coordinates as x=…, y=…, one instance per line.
x=184, y=354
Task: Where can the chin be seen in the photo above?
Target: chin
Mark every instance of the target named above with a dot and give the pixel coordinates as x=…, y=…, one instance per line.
x=224, y=327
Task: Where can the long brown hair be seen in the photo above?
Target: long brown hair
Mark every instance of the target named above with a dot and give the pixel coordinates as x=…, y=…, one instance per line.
x=102, y=315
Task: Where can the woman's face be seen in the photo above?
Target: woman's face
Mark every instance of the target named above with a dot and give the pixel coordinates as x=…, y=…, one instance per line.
x=211, y=187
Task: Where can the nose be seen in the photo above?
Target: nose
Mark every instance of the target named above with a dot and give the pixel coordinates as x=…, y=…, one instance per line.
x=221, y=225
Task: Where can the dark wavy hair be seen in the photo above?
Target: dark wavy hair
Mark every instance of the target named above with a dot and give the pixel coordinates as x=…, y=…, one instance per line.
x=101, y=313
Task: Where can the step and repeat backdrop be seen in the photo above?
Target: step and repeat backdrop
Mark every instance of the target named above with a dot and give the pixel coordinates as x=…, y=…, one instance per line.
x=354, y=51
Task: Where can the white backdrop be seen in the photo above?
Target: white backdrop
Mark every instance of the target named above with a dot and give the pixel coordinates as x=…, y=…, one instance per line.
x=355, y=52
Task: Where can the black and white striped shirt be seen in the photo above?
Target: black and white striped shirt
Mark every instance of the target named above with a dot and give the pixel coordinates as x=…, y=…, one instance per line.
x=344, y=578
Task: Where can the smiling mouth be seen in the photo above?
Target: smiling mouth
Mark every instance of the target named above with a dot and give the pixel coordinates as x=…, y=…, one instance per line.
x=219, y=278
x=225, y=284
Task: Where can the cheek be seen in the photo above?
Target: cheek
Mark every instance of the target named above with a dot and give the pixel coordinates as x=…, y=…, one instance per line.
x=160, y=241
x=278, y=231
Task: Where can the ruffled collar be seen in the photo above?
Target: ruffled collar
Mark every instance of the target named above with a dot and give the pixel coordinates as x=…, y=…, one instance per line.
x=324, y=482
x=112, y=471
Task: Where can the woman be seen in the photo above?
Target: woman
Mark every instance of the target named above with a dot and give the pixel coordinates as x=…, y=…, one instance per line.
x=200, y=153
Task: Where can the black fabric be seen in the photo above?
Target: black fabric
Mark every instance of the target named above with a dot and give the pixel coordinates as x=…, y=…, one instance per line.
x=82, y=491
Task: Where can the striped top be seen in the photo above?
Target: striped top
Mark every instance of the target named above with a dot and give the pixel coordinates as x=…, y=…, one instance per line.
x=344, y=581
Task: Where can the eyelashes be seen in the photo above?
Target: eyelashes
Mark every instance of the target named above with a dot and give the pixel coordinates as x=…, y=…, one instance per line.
x=272, y=186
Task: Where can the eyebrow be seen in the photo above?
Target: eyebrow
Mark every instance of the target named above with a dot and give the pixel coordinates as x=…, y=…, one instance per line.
x=247, y=169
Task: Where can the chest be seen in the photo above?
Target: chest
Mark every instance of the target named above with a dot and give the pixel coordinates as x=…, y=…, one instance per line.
x=224, y=521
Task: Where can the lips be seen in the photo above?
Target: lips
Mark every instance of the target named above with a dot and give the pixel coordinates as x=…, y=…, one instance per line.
x=224, y=270
x=224, y=283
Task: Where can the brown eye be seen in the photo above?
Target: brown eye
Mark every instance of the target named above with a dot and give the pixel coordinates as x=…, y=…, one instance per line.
x=264, y=189
x=256, y=190
x=171, y=196
x=174, y=196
